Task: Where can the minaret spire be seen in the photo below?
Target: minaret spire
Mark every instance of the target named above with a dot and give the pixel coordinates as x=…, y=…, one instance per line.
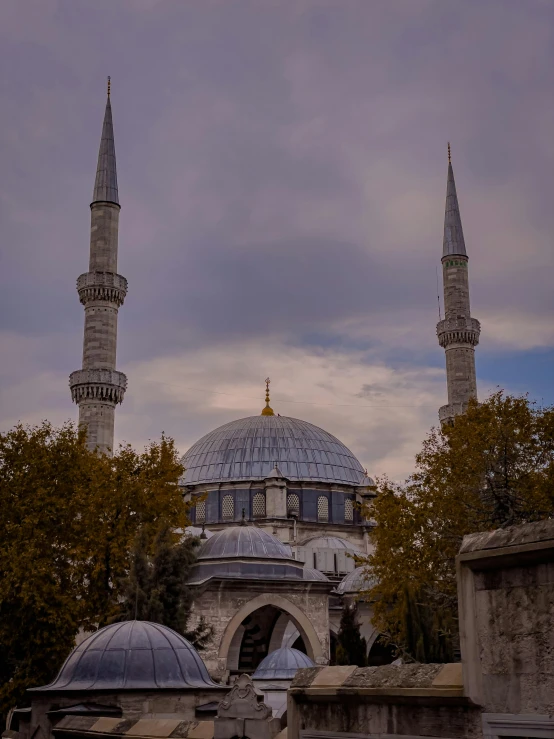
x=105, y=184
x=458, y=333
x=98, y=386
x=453, y=242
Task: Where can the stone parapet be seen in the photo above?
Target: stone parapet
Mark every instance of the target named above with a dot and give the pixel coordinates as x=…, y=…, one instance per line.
x=458, y=331
x=104, y=385
x=105, y=286
x=449, y=411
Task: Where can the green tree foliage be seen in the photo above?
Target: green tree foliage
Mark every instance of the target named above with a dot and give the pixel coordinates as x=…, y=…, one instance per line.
x=156, y=588
x=493, y=467
x=351, y=645
x=68, y=521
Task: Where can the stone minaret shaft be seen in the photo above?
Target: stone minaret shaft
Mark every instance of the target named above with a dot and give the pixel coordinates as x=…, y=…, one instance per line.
x=458, y=333
x=98, y=387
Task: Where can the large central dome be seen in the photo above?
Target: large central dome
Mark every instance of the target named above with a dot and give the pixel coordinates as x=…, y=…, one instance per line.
x=249, y=448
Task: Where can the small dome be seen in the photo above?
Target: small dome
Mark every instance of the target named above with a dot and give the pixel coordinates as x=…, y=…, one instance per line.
x=249, y=449
x=282, y=664
x=246, y=552
x=311, y=574
x=367, y=482
x=132, y=655
x=355, y=582
x=330, y=542
x=244, y=541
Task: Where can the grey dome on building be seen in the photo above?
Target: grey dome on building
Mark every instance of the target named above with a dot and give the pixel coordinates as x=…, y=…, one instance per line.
x=355, y=582
x=249, y=449
x=132, y=655
x=282, y=664
x=330, y=542
x=244, y=541
x=247, y=552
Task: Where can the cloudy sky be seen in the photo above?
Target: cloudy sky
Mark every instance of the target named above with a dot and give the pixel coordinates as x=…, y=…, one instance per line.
x=282, y=174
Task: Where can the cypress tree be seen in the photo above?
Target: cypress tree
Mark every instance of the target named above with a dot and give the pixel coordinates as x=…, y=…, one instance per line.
x=156, y=588
x=351, y=645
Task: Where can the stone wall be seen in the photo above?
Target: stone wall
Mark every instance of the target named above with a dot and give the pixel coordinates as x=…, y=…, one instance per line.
x=132, y=705
x=391, y=701
x=506, y=592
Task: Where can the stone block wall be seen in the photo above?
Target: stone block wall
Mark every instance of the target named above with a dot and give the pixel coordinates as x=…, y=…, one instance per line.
x=104, y=230
x=385, y=702
x=456, y=287
x=460, y=370
x=100, y=336
x=99, y=418
x=506, y=594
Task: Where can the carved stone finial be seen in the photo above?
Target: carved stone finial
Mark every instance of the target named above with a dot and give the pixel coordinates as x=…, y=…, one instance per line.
x=268, y=410
x=243, y=702
x=242, y=713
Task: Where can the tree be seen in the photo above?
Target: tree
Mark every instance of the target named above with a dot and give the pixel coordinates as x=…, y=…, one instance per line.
x=156, y=588
x=68, y=521
x=493, y=467
x=351, y=645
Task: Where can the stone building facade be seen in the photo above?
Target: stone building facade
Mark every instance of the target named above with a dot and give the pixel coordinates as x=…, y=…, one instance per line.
x=304, y=489
x=257, y=597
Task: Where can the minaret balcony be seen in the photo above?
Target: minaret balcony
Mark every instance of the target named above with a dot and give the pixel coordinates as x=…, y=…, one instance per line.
x=447, y=413
x=458, y=331
x=102, y=385
x=104, y=286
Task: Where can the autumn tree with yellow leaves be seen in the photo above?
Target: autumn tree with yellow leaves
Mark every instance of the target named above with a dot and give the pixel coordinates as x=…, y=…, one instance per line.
x=69, y=519
x=493, y=467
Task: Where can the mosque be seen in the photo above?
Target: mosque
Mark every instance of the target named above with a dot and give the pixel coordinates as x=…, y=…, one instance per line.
x=276, y=500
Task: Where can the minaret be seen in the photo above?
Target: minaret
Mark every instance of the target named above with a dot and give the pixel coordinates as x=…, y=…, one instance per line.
x=458, y=333
x=98, y=386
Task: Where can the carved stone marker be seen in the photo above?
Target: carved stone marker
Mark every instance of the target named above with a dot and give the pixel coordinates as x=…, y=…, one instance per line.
x=242, y=713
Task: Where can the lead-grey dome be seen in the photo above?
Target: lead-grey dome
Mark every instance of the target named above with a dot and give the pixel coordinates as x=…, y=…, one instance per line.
x=282, y=664
x=244, y=541
x=356, y=581
x=132, y=655
x=247, y=552
x=249, y=448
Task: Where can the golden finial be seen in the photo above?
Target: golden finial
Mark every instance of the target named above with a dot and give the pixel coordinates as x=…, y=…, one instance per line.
x=449, y=157
x=109, y=85
x=268, y=410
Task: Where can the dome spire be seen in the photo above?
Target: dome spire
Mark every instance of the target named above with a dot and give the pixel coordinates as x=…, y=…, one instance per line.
x=268, y=410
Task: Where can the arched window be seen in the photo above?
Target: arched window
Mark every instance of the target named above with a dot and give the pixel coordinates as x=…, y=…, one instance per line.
x=322, y=508
x=293, y=505
x=348, y=510
x=228, y=508
x=258, y=505
x=201, y=512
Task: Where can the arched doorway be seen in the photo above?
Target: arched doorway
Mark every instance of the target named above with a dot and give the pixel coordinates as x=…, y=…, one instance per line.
x=263, y=625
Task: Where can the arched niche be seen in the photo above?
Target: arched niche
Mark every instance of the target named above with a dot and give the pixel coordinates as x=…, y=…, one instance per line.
x=231, y=639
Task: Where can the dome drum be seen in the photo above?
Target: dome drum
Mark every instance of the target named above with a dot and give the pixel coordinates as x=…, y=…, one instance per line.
x=321, y=504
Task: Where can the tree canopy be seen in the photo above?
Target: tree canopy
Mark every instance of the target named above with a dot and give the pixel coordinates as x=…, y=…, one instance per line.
x=69, y=519
x=493, y=467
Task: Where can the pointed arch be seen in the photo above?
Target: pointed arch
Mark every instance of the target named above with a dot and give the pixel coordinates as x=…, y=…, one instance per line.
x=302, y=622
